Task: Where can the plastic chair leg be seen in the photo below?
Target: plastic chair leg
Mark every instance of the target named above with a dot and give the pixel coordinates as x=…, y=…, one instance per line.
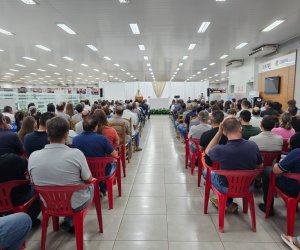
x=193, y=159
x=245, y=205
x=200, y=168
x=78, y=225
x=186, y=156
x=222, y=206
x=291, y=212
x=109, y=185
x=252, y=211
x=55, y=223
x=207, y=192
x=97, y=203
x=44, y=230
x=123, y=159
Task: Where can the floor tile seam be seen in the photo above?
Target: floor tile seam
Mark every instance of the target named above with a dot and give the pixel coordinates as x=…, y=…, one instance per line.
x=139, y=161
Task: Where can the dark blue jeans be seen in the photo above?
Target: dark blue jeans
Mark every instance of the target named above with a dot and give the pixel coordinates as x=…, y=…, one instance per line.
x=109, y=170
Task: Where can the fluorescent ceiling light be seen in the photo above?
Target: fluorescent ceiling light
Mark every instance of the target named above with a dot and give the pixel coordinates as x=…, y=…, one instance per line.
x=20, y=65
x=56, y=73
x=212, y=64
x=142, y=47
x=204, y=69
x=5, y=32
x=223, y=72
x=135, y=28
x=84, y=65
x=220, y=0
x=177, y=69
x=14, y=70
x=216, y=75
x=128, y=73
x=110, y=76
x=224, y=56
x=42, y=47
x=192, y=46
x=1, y=50
x=210, y=77
x=11, y=74
x=273, y=25
x=146, y=58
x=48, y=76
x=28, y=2
x=69, y=70
x=107, y=58
x=123, y=70
x=203, y=27
x=52, y=65
x=80, y=74
x=92, y=47
x=150, y=69
x=66, y=28
x=132, y=76
x=104, y=73
x=97, y=70
x=68, y=58
x=194, y=75
x=241, y=45
x=117, y=65
x=29, y=58
x=149, y=64
x=180, y=64
x=185, y=57
x=34, y=74
x=198, y=73
x=41, y=70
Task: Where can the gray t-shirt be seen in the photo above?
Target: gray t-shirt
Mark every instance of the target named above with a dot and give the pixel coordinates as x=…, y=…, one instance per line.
x=267, y=141
x=77, y=118
x=79, y=127
x=59, y=165
x=197, y=131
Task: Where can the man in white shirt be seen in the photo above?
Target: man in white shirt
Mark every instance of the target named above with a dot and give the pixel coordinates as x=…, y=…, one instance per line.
x=8, y=112
x=127, y=114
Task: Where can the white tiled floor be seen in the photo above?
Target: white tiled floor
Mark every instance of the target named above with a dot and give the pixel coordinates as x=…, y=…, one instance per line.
x=162, y=208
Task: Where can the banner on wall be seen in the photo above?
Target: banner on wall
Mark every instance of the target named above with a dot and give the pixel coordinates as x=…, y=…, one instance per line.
x=278, y=63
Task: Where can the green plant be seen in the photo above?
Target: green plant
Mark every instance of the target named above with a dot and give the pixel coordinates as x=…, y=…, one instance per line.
x=160, y=111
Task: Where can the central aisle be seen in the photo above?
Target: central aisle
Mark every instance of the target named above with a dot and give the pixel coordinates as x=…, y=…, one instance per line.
x=162, y=208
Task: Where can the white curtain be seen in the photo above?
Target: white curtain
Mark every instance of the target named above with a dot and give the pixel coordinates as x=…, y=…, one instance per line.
x=158, y=88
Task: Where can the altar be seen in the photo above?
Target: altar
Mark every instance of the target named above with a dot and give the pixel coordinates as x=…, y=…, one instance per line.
x=159, y=103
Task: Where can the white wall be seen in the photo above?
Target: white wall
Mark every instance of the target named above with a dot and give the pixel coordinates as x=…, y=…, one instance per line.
x=240, y=77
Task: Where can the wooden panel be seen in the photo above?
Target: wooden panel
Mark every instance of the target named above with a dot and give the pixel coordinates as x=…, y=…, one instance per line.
x=287, y=86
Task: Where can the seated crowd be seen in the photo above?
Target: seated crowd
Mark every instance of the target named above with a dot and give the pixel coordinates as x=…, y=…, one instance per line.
x=235, y=134
x=56, y=144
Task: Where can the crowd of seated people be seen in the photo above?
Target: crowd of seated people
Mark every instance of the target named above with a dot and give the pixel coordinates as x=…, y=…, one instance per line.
x=51, y=148
x=234, y=133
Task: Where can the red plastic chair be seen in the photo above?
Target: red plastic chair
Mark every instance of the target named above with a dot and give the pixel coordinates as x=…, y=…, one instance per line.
x=202, y=163
x=190, y=154
x=57, y=202
x=6, y=205
x=291, y=202
x=122, y=155
x=97, y=167
x=270, y=157
x=239, y=182
x=285, y=146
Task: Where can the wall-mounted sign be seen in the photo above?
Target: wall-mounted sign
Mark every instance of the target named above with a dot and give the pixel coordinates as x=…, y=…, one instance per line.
x=278, y=63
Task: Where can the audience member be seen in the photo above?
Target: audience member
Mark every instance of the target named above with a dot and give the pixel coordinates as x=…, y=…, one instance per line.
x=197, y=130
x=266, y=140
x=58, y=164
x=103, y=128
x=28, y=126
x=39, y=138
x=8, y=111
x=78, y=126
x=51, y=108
x=290, y=164
x=78, y=117
x=216, y=119
x=14, y=229
x=255, y=118
x=295, y=121
x=269, y=109
x=286, y=128
x=9, y=141
x=195, y=122
x=247, y=129
x=60, y=111
x=70, y=109
x=19, y=117
x=237, y=154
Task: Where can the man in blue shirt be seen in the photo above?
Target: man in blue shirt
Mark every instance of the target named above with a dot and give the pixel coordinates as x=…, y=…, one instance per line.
x=94, y=145
x=39, y=138
x=290, y=164
x=237, y=154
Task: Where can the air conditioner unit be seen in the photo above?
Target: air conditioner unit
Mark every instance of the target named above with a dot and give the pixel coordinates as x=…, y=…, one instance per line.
x=264, y=50
x=235, y=63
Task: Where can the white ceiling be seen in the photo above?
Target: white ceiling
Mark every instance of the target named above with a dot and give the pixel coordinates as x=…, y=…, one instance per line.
x=167, y=28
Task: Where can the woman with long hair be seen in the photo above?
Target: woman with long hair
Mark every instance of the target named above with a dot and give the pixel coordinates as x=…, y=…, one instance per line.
x=285, y=130
x=19, y=117
x=70, y=109
x=28, y=126
x=103, y=128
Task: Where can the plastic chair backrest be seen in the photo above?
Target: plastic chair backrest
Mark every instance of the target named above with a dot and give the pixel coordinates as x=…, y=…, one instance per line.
x=121, y=131
x=97, y=166
x=56, y=200
x=285, y=146
x=194, y=141
x=270, y=157
x=5, y=194
x=239, y=181
x=130, y=124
